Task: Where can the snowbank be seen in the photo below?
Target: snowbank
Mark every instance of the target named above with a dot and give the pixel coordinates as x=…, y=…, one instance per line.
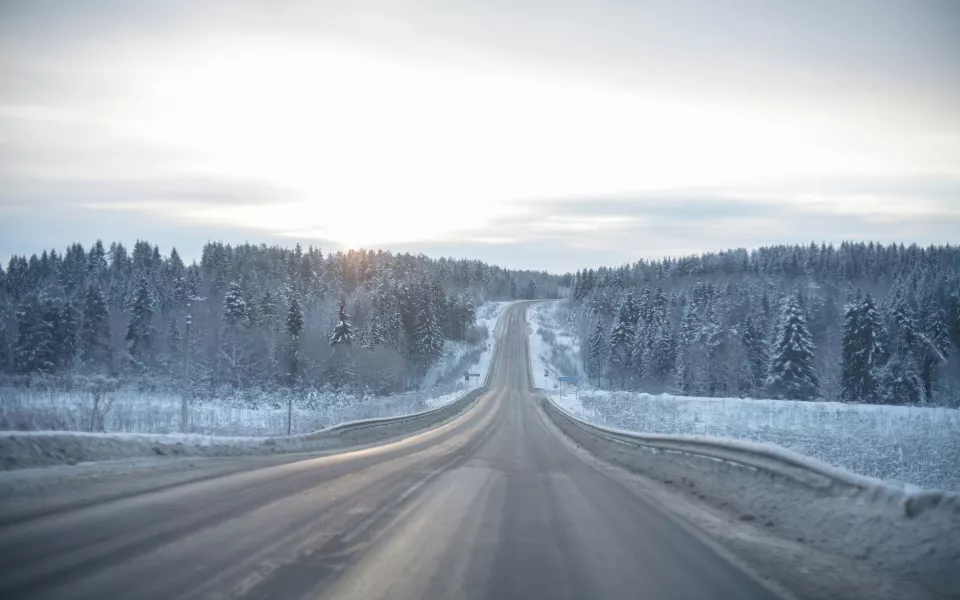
x=19, y=450
x=909, y=533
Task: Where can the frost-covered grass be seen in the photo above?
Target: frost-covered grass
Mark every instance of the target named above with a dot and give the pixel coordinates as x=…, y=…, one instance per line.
x=246, y=413
x=915, y=445
x=137, y=412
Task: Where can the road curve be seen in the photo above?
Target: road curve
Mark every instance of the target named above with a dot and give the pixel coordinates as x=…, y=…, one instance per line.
x=490, y=505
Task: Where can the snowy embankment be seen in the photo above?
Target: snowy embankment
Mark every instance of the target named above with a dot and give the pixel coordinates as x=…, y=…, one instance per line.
x=902, y=444
x=144, y=424
x=774, y=499
x=19, y=450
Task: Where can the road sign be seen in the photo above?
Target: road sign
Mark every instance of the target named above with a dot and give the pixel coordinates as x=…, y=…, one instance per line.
x=569, y=379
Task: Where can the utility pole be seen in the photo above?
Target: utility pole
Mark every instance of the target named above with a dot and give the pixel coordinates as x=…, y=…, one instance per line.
x=289, y=412
x=186, y=371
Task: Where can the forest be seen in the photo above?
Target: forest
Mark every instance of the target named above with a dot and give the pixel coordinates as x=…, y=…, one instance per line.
x=861, y=322
x=243, y=317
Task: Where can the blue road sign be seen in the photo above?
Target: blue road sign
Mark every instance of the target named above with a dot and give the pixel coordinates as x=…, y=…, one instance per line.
x=569, y=379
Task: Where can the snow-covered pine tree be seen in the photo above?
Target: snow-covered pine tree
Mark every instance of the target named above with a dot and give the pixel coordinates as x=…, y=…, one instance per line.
x=899, y=382
x=35, y=350
x=342, y=330
x=266, y=314
x=662, y=353
x=621, y=336
x=66, y=335
x=141, y=334
x=938, y=346
x=531, y=291
x=174, y=346
x=235, y=313
x=638, y=348
x=577, y=292
x=791, y=374
x=632, y=310
x=96, y=353
x=755, y=348
x=863, y=351
x=234, y=342
x=429, y=339
x=294, y=327
x=596, y=351
x=97, y=261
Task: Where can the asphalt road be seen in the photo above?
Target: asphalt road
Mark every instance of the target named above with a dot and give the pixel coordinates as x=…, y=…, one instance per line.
x=490, y=505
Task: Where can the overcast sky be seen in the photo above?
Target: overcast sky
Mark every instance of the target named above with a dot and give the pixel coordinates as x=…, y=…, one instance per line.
x=550, y=135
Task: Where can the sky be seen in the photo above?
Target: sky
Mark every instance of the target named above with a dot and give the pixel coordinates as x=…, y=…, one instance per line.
x=533, y=134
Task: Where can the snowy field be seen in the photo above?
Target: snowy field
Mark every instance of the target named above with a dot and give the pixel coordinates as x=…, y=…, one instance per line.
x=246, y=414
x=914, y=445
x=554, y=350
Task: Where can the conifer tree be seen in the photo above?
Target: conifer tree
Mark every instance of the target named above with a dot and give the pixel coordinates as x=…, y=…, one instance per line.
x=95, y=350
x=596, y=359
x=141, y=333
x=342, y=331
x=791, y=374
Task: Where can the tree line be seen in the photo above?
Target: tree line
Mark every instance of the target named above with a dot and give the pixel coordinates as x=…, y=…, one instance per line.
x=862, y=322
x=243, y=317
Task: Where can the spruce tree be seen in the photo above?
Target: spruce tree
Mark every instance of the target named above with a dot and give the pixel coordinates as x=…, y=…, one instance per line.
x=95, y=349
x=755, y=348
x=294, y=320
x=791, y=374
x=97, y=261
x=937, y=338
x=266, y=315
x=899, y=381
x=428, y=344
x=141, y=333
x=67, y=334
x=294, y=326
x=35, y=349
x=174, y=343
x=342, y=330
x=863, y=351
x=596, y=360
x=235, y=313
x=621, y=336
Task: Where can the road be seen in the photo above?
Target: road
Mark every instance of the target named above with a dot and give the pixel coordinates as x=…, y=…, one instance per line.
x=490, y=505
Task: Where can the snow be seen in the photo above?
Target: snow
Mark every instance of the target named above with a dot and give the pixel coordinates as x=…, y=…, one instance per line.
x=915, y=445
x=839, y=533
x=906, y=445
x=554, y=351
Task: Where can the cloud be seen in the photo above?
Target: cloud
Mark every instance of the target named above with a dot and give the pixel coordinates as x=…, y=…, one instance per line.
x=568, y=233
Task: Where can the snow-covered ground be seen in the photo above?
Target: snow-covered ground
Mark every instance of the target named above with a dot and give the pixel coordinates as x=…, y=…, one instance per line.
x=248, y=414
x=554, y=351
x=913, y=445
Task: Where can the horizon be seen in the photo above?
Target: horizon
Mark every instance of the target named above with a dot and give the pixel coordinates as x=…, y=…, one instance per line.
x=190, y=258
